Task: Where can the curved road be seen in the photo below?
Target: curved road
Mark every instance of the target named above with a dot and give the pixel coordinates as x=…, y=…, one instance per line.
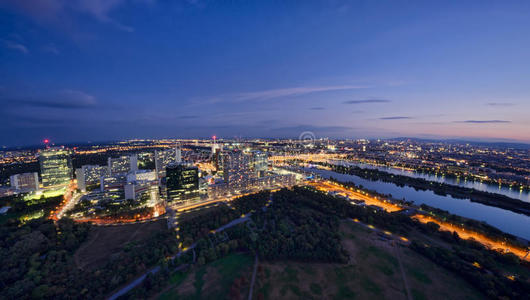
x=154, y=270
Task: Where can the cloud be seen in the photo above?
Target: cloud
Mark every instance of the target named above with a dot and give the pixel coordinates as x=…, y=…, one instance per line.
x=40, y=10
x=100, y=10
x=188, y=117
x=317, y=108
x=56, y=10
x=395, y=118
x=66, y=99
x=483, y=121
x=51, y=48
x=16, y=46
x=37, y=122
x=500, y=104
x=295, y=91
x=81, y=98
x=366, y=101
x=302, y=128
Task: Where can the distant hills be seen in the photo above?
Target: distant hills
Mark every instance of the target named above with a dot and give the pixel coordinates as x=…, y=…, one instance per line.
x=493, y=144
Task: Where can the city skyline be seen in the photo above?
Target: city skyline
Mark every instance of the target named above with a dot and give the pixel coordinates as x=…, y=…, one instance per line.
x=207, y=149
x=75, y=71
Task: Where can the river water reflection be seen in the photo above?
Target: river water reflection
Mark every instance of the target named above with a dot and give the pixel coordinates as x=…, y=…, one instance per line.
x=505, y=220
x=515, y=193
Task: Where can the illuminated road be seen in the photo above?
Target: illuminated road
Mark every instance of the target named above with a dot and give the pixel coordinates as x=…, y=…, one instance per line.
x=155, y=269
x=69, y=204
x=222, y=199
x=68, y=195
x=400, y=239
x=118, y=221
x=329, y=186
x=314, y=157
x=468, y=234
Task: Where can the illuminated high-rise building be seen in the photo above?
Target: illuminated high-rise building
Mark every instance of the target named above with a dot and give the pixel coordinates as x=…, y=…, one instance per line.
x=237, y=169
x=143, y=189
x=141, y=175
x=55, y=166
x=259, y=163
x=182, y=183
x=114, y=183
x=88, y=176
x=163, y=158
x=123, y=164
x=178, y=155
x=216, y=159
x=215, y=146
x=25, y=182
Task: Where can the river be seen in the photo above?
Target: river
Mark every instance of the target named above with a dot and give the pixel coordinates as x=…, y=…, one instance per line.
x=505, y=220
x=514, y=193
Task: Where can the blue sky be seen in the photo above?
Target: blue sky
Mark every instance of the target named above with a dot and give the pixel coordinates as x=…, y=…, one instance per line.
x=80, y=70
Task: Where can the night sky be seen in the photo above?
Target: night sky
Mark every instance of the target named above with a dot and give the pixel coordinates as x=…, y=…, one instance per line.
x=95, y=70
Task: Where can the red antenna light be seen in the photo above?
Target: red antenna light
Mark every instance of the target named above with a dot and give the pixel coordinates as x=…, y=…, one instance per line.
x=214, y=137
x=46, y=141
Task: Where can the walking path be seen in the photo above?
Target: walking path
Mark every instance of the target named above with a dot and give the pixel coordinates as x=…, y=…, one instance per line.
x=253, y=277
x=133, y=284
x=405, y=279
x=154, y=270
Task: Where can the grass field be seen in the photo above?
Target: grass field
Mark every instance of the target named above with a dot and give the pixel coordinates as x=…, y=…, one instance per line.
x=222, y=279
x=103, y=241
x=46, y=194
x=372, y=273
x=375, y=271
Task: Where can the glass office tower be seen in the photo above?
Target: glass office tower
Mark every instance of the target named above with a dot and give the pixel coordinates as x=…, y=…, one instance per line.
x=55, y=167
x=182, y=183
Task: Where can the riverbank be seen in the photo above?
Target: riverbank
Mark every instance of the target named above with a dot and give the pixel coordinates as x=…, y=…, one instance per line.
x=442, y=189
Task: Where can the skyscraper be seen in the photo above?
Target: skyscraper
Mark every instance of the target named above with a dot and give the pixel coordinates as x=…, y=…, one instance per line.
x=55, y=166
x=259, y=163
x=178, y=155
x=182, y=183
x=163, y=158
x=216, y=157
x=237, y=169
x=88, y=176
x=123, y=164
x=25, y=182
x=113, y=183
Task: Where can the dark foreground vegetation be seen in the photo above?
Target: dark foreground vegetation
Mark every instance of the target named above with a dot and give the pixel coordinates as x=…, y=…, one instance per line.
x=24, y=210
x=196, y=225
x=292, y=227
x=38, y=261
x=445, y=216
x=443, y=189
x=302, y=225
x=299, y=225
x=477, y=226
